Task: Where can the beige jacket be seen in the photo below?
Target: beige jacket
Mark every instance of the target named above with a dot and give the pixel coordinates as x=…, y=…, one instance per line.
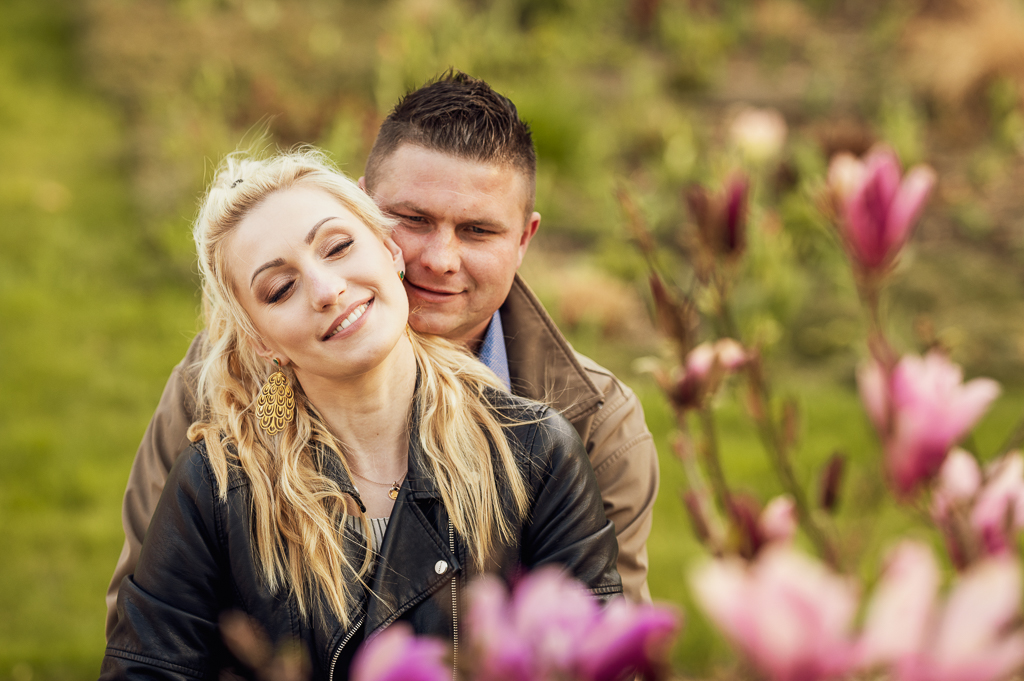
x=543, y=367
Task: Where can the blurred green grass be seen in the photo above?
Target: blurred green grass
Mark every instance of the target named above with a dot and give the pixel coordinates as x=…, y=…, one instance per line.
x=98, y=299
x=88, y=335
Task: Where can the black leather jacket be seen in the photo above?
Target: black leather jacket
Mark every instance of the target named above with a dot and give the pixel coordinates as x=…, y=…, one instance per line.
x=197, y=561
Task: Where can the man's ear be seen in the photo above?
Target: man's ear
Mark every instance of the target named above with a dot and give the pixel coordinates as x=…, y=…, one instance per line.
x=529, y=230
x=362, y=184
x=396, y=253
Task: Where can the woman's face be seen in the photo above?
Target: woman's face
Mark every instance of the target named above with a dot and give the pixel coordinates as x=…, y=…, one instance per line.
x=321, y=288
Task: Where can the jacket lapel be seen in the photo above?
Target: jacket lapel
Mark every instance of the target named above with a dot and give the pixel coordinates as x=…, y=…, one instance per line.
x=415, y=546
x=542, y=364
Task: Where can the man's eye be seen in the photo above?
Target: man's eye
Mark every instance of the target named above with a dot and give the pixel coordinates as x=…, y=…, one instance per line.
x=416, y=219
x=478, y=231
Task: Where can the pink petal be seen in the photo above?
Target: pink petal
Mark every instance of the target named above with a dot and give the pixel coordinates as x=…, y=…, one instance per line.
x=846, y=173
x=627, y=637
x=883, y=168
x=970, y=404
x=788, y=613
x=960, y=476
x=730, y=354
x=900, y=610
x=867, y=210
x=396, y=654
x=907, y=205
x=502, y=652
x=721, y=588
x=996, y=513
x=933, y=411
x=700, y=360
x=959, y=480
x=874, y=393
x=554, y=613
x=972, y=634
x=778, y=519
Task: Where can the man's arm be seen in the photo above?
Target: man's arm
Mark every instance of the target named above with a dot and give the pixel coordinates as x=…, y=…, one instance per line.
x=163, y=442
x=625, y=462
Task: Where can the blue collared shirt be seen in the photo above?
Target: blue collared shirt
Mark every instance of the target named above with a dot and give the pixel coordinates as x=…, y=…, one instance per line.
x=492, y=351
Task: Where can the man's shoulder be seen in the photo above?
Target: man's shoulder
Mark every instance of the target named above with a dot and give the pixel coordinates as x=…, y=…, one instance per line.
x=615, y=394
x=603, y=379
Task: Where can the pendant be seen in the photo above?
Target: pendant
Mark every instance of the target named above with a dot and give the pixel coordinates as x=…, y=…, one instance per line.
x=393, y=492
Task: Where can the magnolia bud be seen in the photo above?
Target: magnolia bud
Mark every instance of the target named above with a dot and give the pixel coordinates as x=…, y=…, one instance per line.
x=830, y=482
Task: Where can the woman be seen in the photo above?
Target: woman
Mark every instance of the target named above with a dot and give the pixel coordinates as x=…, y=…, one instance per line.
x=326, y=420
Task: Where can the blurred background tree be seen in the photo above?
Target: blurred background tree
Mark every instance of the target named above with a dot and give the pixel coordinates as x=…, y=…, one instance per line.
x=113, y=114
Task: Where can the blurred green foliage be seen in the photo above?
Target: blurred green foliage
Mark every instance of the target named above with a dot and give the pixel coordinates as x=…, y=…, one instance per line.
x=113, y=113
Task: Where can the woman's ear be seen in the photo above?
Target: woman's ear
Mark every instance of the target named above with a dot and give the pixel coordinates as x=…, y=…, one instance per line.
x=396, y=254
x=267, y=353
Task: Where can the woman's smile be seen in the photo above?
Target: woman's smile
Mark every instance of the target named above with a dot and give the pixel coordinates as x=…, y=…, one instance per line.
x=349, y=321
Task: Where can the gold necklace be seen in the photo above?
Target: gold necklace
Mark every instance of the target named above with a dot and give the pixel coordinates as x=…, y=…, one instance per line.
x=392, y=493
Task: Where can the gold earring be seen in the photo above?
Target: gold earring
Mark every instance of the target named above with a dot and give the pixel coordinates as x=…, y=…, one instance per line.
x=275, y=407
x=401, y=276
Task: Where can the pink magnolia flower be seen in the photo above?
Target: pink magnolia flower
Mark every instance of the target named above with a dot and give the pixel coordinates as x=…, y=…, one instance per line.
x=953, y=495
x=898, y=616
x=396, y=654
x=974, y=636
x=534, y=634
x=778, y=520
x=998, y=512
x=628, y=638
x=756, y=527
x=958, y=481
x=704, y=367
x=878, y=209
x=993, y=508
x=551, y=627
x=789, y=614
x=921, y=411
x=721, y=217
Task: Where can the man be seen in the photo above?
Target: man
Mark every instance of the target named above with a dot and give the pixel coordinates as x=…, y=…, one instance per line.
x=454, y=165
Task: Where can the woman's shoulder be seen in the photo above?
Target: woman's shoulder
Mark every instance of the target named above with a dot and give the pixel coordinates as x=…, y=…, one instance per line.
x=193, y=469
x=509, y=405
x=537, y=426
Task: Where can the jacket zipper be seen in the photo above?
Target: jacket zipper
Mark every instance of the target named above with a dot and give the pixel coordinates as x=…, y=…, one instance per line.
x=341, y=646
x=455, y=619
x=455, y=607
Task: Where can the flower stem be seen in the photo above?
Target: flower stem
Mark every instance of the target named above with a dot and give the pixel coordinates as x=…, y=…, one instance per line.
x=712, y=458
x=779, y=456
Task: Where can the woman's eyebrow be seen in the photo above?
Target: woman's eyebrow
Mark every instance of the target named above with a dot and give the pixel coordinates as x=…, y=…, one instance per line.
x=276, y=262
x=316, y=228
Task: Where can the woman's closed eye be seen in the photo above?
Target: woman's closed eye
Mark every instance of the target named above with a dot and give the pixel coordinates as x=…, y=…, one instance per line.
x=278, y=294
x=338, y=248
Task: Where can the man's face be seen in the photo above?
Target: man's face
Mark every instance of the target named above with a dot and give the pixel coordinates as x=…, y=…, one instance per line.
x=463, y=229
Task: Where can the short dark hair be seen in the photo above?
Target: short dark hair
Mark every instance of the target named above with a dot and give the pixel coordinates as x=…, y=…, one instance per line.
x=458, y=115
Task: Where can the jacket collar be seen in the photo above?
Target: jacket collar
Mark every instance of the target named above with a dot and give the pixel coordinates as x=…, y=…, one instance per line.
x=542, y=364
x=418, y=479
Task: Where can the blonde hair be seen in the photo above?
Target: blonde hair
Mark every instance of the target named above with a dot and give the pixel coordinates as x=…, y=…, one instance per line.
x=298, y=510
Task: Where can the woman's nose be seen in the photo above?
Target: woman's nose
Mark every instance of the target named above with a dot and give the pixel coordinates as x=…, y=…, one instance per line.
x=325, y=288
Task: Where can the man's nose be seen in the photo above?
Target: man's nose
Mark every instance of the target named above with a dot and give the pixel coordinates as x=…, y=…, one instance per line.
x=441, y=252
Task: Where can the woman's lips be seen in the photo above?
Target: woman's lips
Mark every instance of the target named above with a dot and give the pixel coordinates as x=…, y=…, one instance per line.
x=349, y=320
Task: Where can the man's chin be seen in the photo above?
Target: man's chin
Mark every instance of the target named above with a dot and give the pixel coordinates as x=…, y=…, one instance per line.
x=454, y=329
x=432, y=323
